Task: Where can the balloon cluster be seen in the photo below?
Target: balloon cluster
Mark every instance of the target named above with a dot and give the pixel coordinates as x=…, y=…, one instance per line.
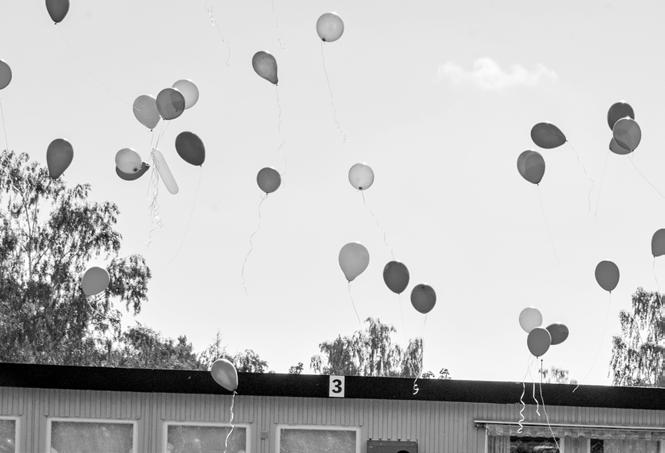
x=626, y=133
x=531, y=164
x=540, y=339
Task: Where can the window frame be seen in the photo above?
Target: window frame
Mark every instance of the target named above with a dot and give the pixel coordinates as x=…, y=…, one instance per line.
x=560, y=439
x=17, y=430
x=280, y=427
x=110, y=421
x=166, y=423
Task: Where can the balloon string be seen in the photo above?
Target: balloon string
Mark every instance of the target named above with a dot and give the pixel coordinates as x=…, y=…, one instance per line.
x=161, y=134
x=416, y=389
x=4, y=125
x=190, y=217
x=213, y=22
x=353, y=304
x=533, y=394
x=522, y=418
x=655, y=275
x=282, y=142
x=332, y=98
x=547, y=418
x=251, y=244
x=653, y=186
x=547, y=225
x=153, y=204
x=598, y=344
x=401, y=312
x=591, y=181
x=600, y=187
x=226, y=441
x=378, y=224
x=277, y=31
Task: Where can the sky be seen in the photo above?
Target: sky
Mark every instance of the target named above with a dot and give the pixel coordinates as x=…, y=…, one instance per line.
x=437, y=98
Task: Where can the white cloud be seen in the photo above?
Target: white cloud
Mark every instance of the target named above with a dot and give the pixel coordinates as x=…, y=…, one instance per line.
x=488, y=75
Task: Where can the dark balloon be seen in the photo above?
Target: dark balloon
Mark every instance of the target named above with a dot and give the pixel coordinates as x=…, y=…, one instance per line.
x=658, y=243
x=396, y=276
x=538, y=341
x=618, y=149
x=170, y=103
x=607, y=275
x=423, y=298
x=133, y=176
x=5, y=74
x=268, y=179
x=547, y=135
x=617, y=111
x=558, y=332
x=59, y=155
x=57, y=9
x=190, y=147
x=531, y=166
x=265, y=66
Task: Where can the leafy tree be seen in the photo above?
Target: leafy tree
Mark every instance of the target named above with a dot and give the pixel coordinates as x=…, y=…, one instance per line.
x=556, y=375
x=297, y=369
x=247, y=361
x=638, y=354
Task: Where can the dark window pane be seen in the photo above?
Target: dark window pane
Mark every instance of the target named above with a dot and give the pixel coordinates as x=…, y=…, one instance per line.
x=532, y=445
x=597, y=446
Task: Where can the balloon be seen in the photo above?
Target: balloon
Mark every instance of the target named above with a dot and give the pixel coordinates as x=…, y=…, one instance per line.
x=164, y=171
x=423, y=298
x=538, y=341
x=617, y=111
x=59, y=155
x=190, y=148
x=94, y=281
x=5, y=74
x=607, y=275
x=353, y=259
x=530, y=318
x=57, y=9
x=627, y=133
x=268, y=180
x=265, y=66
x=225, y=374
x=558, y=332
x=133, y=176
x=531, y=166
x=547, y=135
x=145, y=110
x=396, y=276
x=658, y=243
x=361, y=176
x=330, y=27
x=170, y=103
x=189, y=91
x=618, y=149
x=128, y=161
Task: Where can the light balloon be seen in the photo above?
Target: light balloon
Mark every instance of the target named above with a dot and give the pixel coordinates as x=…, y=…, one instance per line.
x=530, y=318
x=189, y=91
x=225, y=374
x=538, y=341
x=265, y=66
x=170, y=103
x=128, y=161
x=547, y=135
x=353, y=260
x=268, y=180
x=423, y=298
x=146, y=112
x=59, y=155
x=607, y=275
x=361, y=176
x=330, y=27
x=94, y=281
x=164, y=171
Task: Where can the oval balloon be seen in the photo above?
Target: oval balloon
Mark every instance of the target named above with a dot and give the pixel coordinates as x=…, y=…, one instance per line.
x=558, y=333
x=531, y=166
x=268, y=180
x=225, y=374
x=128, y=161
x=607, y=275
x=5, y=75
x=353, y=259
x=190, y=147
x=330, y=27
x=189, y=91
x=627, y=133
x=423, y=298
x=547, y=135
x=396, y=276
x=145, y=110
x=170, y=103
x=164, y=171
x=57, y=9
x=94, y=281
x=658, y=243
x=265, y=66
x=530, y=318
x=361, y=176
x=618, y=149
x=617, y=111
x=59, y=155
x=133, y=176
x=538, y=341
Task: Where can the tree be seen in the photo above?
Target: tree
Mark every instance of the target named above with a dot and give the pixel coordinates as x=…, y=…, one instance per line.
x=247, y=361
x=556, y=375
x=297, y=369
x=638, y=354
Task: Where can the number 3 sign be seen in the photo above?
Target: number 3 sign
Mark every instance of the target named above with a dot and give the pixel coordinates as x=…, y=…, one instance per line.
x=336, y=387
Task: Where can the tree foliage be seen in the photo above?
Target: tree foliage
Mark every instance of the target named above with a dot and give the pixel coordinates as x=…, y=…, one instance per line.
x=556, y=375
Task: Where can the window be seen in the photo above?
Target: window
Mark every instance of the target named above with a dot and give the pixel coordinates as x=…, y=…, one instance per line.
x=519, y=444
x=623, y=446
x=185, y=437
x=318, y=439
x=100, y=436
x=8, y=435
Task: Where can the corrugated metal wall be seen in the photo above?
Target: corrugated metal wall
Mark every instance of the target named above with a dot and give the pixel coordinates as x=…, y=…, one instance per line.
x=439, y=427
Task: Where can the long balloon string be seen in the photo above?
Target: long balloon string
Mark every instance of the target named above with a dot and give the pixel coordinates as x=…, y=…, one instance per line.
x=280, y=139
x=378, y=224
x=547, y=226
x=416, y=389
x=276, y=20
x=251, y=243
x=353, y=304
x=4, y=125
x=533, y=394
x=153, y=204
x=213, y=22
x=653, y=186
x=332, y=97
x=161, y=134
x=599, y=344
x=655, y=275
x=591, y=181
x=542, y=400
x=190, y=217
x=226, y=441
x=600, y=187
x=522, y=408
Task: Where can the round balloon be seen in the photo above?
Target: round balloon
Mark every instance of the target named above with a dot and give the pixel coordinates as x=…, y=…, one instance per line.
x=658, y=243
x=396, y=276
x=170, y=103
x=558, y=333
x=361, y=176
x=538, y=341
x=330, y=27
x=59, y=155
x=128, y=161
x=547, y=135
x=353, y=259
x=607, y=275
x=627, y=133
x=617, y=111
x=530, y=318
x=94, y=281
x=189, y=91
x=57, y=9
x=5, y=74
x=225, y=374
x=618, y=149
x=531, y=166
x=268, y=180
x=133, y=176
x=145, y=110
x=190, y=147
x=265, y=66
x=423, y=298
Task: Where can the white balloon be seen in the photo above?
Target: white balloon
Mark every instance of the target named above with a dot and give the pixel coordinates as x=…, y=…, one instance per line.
x=128, y=161
x=164, y=171
x=189, y=91
x=530, y=318
x=330, y=27
x=361, y=176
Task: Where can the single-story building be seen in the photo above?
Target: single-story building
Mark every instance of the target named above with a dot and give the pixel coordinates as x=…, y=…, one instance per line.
x=65, y=409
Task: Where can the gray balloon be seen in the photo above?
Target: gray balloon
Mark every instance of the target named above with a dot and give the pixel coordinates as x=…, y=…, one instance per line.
x=539, y=341
x=133, y=176
x=57, y=9
x=268, y=180
x=607, y=275
x=59, y=155
x=658, y=243
x=170, y=103
x=617, y=111
x=265, y=66
x=531, y=166
x=396, y=276
x=558, y=332
x=5, y=74
x=423, y=298
x=618, y=149
x=547, y=135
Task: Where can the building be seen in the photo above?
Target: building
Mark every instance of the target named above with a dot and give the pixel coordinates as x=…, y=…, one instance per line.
x=48, y=409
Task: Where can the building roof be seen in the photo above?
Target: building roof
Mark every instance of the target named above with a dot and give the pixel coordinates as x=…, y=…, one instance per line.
x=316, y=386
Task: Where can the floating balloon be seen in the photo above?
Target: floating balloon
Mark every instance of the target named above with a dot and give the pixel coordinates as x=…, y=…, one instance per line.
x=225, y=374
x=607, y=275
x=531, y=166
x=57, y=9
x=558, y=332
x=268, y=180
x=5, y=74
x=189, y=91
x=330, y=27
x=423, y=298
x=538, y=341
x=145, y=110
x=617, y=111
x=353, y=259
x=530, y=318
x=361, y=176
x=627, y=133
x=547, y=135
x=618, y=149
x=128, y=161
x=164, y=171
x=94, y=281
x=59, y=155
x=658, y=243
x=170, y=103
x=190, y=147
x=133, y=176
x=265, y=66
x=396, y=276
